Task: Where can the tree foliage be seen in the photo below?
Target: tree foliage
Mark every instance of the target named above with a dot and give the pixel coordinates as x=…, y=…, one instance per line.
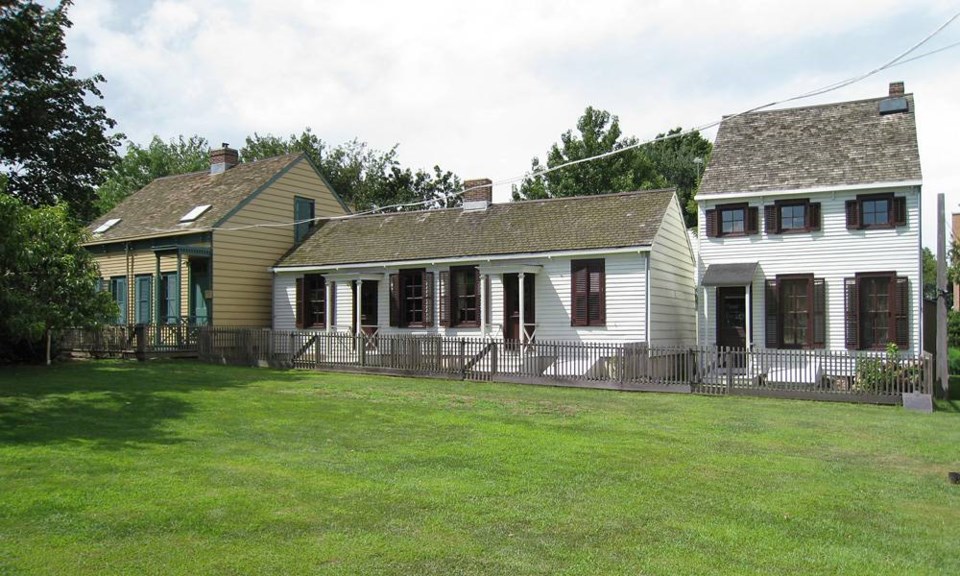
x=48, y=280
x=54, y=145
x=364, y=177
x=141, y=165
x=666, y=163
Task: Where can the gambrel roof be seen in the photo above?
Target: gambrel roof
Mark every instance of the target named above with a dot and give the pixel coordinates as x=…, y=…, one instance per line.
x=831, y=145
x=559, y=224
x=157, y=208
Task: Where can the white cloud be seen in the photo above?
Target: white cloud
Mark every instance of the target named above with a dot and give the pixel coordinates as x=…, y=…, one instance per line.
x=481, y=88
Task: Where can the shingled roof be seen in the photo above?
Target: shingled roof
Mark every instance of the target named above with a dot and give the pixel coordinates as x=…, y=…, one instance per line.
x=580, y=223
x=842, y=144
x=156, y=208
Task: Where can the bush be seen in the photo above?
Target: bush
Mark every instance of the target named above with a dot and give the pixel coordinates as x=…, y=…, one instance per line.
x=953, y=328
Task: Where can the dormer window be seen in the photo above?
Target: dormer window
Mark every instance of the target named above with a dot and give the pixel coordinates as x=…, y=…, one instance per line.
x=194, y=214
x=106, y=226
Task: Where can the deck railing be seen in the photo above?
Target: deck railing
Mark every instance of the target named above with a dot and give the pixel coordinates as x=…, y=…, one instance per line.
x=864, y=376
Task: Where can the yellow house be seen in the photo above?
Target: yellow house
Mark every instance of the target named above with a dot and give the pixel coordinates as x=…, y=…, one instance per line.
x=198, y=248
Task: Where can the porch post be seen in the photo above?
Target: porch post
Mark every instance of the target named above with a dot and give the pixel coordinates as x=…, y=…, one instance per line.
x=483, y=304
x=523, y=328
x=179, y=286
x=328, y=305
x=358, y=304
x=748, y=289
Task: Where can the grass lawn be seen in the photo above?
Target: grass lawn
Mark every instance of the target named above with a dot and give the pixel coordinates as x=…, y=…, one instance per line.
x=183, y=468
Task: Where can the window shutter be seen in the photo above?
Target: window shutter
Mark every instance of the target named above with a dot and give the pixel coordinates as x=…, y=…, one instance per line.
x=428, y=299
x=578, y=293
x=597, y=294
x=902, y=312
x=851, y=315
x=298, y=302
x=770, y=219
x=753, y=218
x=853, y=215
x=900, y=210
x=445, y=298
x=332, y=321
x=819, y=313
x=772, y=309
x=814, y=220
x=394, y=299
x=487, y=293
x=711, y=218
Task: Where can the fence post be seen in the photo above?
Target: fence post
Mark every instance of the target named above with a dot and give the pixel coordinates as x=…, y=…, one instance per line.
x=728, y=360
x=362, y=349
x=494, y=352
x=463, y=359
x=140, y=330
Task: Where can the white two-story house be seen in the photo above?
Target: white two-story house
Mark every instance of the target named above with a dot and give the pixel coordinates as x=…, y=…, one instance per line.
x=810, y=228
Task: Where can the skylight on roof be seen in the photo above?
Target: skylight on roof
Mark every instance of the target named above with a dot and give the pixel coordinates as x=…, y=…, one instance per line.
x=106, y=226
x=195, y=213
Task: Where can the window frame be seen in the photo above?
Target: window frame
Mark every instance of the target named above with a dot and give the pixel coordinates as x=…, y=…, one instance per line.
x=742, y=209
x=302, y=229
x=168, y=301
x=896, y=211
x=588, y=267
x=775, y=313
x=314, y=308
x=714, y=220
x=456, y=298
x=898, y=311
x=400, y=301
x=122, y=302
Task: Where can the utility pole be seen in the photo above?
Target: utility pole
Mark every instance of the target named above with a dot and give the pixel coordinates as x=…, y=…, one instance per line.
x=943, y=373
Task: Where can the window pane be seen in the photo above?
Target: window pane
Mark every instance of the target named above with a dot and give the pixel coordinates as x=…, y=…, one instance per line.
x=874, y=312
x=731, y=220
x=412, y=282
x=793, y=217
x=795, y=306
x=465, y=295
x=876, y=212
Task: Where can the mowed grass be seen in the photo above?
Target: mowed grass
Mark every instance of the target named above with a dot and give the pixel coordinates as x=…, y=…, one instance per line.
x=183, y=468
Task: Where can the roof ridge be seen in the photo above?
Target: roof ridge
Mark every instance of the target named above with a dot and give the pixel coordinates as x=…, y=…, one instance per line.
x=812, y=106
x=241, y=164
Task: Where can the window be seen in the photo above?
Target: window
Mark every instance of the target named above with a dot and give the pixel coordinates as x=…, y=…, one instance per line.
x=142, y=309
x=303, y=215
x=876, y=211
x=460, y=300
x=731, y=220
x=118, y=289
x=311, y=297
x=194, y=213
x=789, y=216
x=877, y=311
x=588, y=293
x=169, y=299
x=796, y=312
x=106, y=226
x=411, y=298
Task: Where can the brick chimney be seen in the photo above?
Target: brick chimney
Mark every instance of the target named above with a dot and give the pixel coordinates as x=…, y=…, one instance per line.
x=896, y=89
x=477, y=194
x=222, y=159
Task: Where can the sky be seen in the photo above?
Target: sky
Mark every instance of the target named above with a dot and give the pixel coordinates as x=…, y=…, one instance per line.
x=481, y=88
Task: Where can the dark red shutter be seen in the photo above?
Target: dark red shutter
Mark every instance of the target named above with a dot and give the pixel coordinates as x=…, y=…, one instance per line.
x=753, y=220
x=489, y=303
x=851, y=314
x=770, y=219
x=298, y=302
x=902, y=313
x=597, y=313
x=578, y=290
x=900, y=210
x=819, y=332
x=445, y=298
x=853, y=215
x=395, y=300
x=772, y=310
x=428, y=299
x=332, y=320
x=711, y=217
x=814, y=219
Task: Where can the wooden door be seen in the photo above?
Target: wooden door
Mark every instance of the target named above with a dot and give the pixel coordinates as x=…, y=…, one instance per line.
x=511, y=304
x=732, y=316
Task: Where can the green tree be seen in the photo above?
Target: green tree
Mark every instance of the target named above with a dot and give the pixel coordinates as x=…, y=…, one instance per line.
x=364, y=177
x=675, y=160
x=141, y=165
x=54, y=145
x=48, y=280
x=680, y=158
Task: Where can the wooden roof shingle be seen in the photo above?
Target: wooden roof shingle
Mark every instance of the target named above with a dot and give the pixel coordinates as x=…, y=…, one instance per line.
x=559, y=224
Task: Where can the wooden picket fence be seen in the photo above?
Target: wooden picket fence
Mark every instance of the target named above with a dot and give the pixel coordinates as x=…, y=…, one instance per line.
x=871, y=377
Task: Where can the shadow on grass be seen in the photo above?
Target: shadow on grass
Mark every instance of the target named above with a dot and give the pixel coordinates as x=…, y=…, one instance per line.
x=111, y=404
x=951, y=404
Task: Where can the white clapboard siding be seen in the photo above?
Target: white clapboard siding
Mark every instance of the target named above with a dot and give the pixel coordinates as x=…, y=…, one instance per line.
x=834, y=253
x=673, y=319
